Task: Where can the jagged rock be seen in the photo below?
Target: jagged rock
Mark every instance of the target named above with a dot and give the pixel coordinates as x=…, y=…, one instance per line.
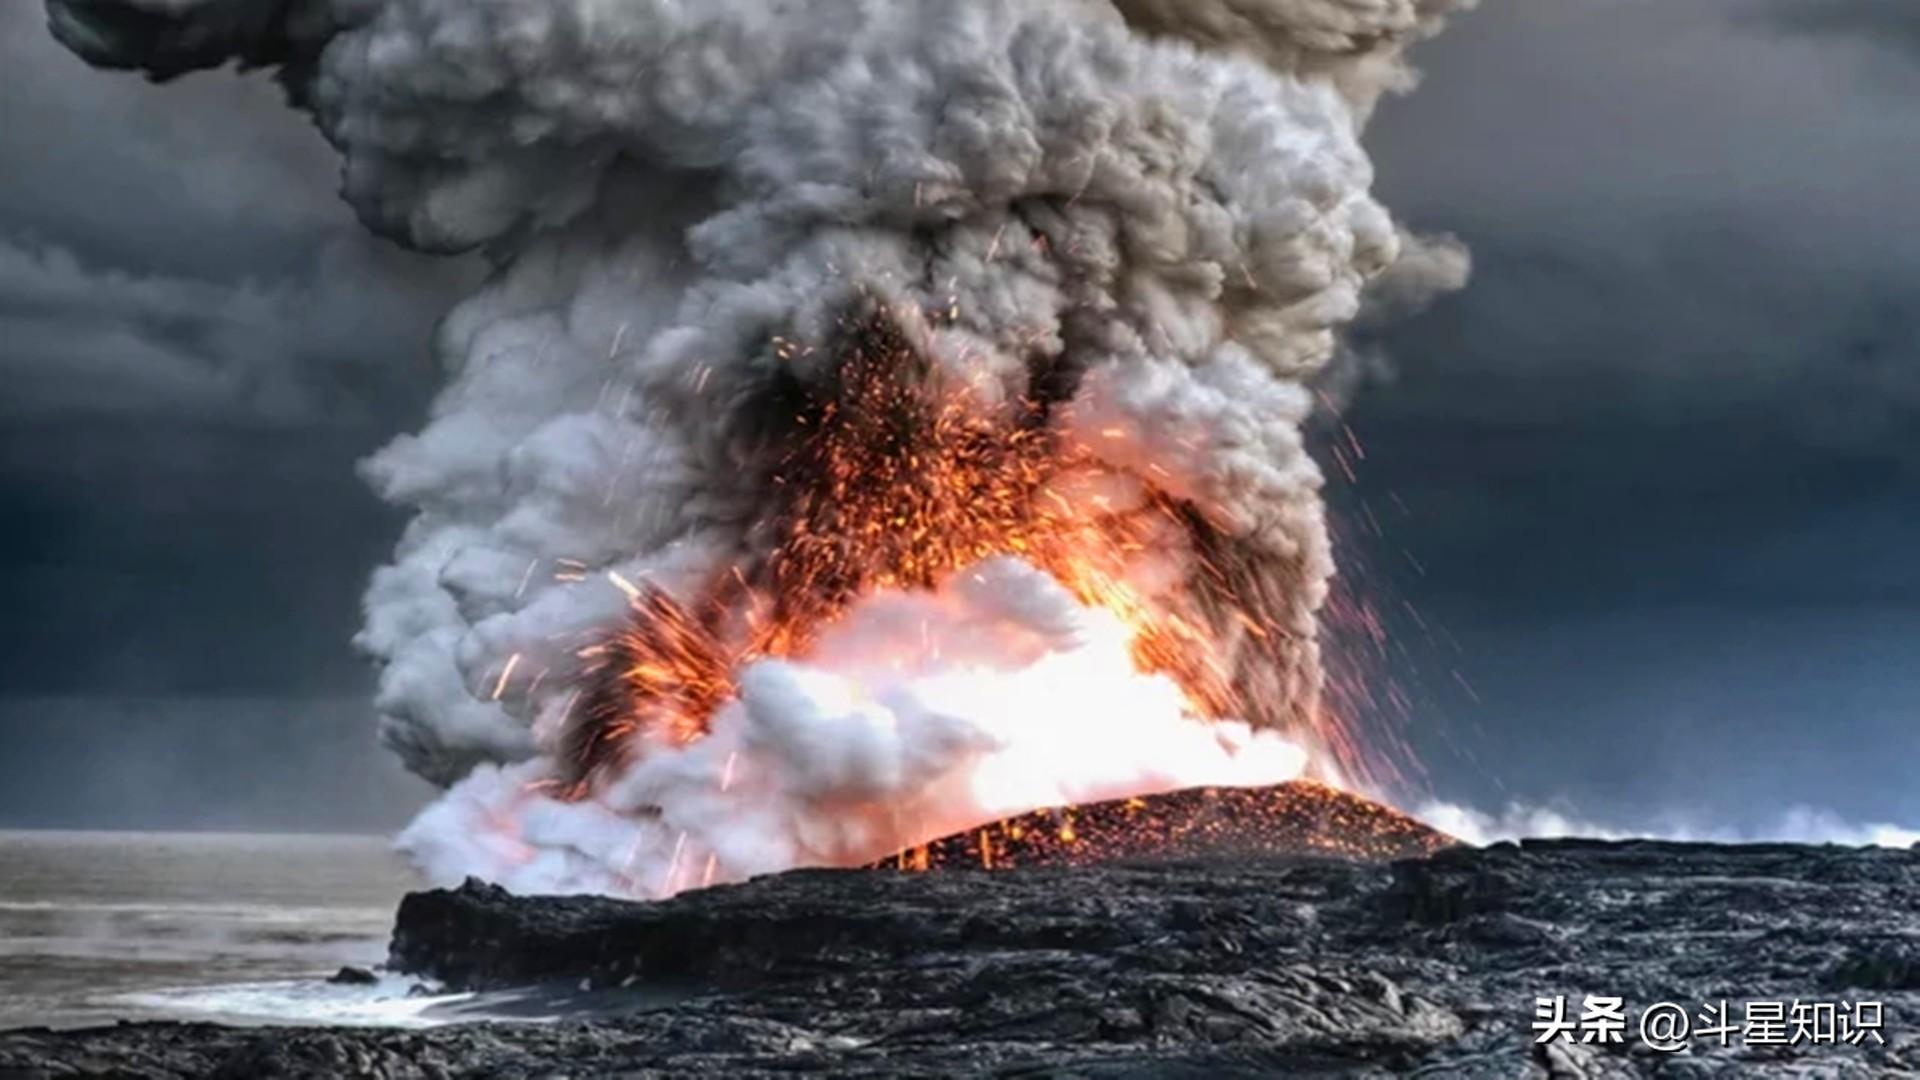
x=354, y=976
x=1880, y=965
x=1249, y=967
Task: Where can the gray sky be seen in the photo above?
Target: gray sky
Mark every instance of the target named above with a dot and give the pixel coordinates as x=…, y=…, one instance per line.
x=198, y=342
x=1649, y=483
x=1660, y=457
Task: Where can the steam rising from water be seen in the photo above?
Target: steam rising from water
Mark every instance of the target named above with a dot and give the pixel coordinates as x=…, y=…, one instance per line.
x=1794, y=825
x=1156, y=213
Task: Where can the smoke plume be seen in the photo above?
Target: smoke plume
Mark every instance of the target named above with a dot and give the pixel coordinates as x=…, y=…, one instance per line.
x=1128, y=231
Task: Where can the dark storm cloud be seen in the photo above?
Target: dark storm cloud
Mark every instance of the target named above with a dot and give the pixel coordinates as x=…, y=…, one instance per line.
x=203, y=178
x=227, y=763
x=1692, y=328
x=179, y=251
x=169, y=557
x=1888, y=23
x=1675, y=216
x=1652, y=481
x=179, y=596
x=344, y=340
x=197, y=343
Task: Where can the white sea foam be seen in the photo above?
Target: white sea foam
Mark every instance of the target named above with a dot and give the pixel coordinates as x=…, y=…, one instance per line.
x=390, y=1002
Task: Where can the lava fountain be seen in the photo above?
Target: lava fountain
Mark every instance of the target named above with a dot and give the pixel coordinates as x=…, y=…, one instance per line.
x=884, y=417
x=894, y=483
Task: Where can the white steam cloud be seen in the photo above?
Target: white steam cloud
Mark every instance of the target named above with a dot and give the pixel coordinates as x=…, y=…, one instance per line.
x=889, y=736
x=1164, y=202
x=1518, y=821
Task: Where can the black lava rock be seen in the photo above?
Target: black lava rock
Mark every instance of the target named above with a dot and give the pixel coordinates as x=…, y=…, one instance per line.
x=1298, y=966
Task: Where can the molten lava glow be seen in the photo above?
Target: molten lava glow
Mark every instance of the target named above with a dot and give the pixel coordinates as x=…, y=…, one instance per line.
x=918, y=714
x=899, y=481
x=1294, y=818
x=953, y=616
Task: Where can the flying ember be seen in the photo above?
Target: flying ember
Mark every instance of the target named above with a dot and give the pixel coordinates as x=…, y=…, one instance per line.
x=898, y=480
x=954, y=612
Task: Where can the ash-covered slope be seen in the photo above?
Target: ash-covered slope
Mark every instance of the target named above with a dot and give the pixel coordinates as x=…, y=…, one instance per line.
x=1260, y=966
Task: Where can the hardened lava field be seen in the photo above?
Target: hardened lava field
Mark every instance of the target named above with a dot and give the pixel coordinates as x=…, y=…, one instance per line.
x=1300, y=818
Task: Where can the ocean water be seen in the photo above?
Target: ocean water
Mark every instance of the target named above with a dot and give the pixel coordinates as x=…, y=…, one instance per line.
x=100, y=927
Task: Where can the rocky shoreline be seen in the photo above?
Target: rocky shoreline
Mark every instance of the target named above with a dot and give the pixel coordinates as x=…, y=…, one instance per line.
x=1290, y=965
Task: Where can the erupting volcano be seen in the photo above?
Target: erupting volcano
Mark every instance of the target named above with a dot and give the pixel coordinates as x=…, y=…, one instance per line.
x=895, y=483
x=885, y=418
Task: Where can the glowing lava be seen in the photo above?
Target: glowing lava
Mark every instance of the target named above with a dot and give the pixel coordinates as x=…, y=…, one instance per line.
x=954, y=614
x=1289, y=819
x=899, y=481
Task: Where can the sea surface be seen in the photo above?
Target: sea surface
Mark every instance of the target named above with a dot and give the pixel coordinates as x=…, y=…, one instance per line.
x=99, y=927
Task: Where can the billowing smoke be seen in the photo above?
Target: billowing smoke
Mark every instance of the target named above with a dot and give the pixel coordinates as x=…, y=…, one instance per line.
x=1126, y=232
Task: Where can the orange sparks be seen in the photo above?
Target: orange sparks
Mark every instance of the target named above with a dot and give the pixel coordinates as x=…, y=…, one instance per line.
x=506, y=673
x=1295, y=818
x=889, y=478
x=620, y=582
x=673, y=865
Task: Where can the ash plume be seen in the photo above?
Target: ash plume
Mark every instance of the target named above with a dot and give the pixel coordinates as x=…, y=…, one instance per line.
x=1129, y=229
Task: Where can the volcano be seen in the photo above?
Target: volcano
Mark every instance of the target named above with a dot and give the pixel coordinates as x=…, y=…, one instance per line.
x=884, y=416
